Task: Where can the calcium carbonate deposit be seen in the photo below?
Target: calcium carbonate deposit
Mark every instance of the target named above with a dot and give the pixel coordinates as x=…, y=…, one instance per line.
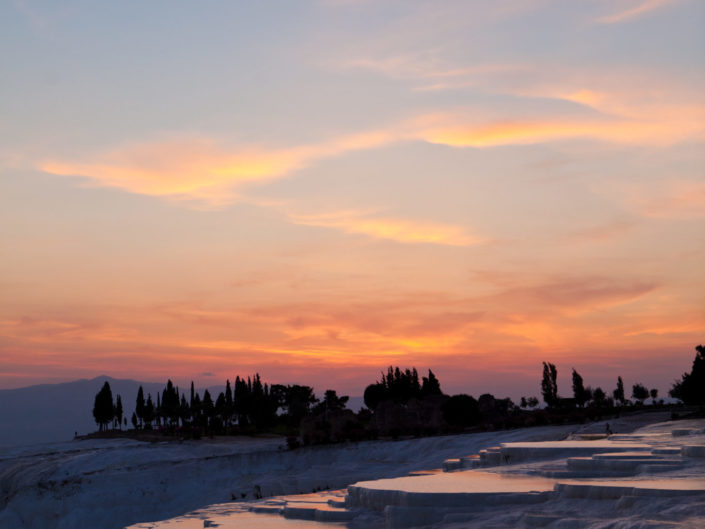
x=652, y=478
x=556, y=477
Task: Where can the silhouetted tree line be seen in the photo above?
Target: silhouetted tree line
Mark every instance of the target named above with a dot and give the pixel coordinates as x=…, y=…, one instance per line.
x=690, y=389
x=584, y=396
x=400, y=403
x=249, y=405
x=400, y=387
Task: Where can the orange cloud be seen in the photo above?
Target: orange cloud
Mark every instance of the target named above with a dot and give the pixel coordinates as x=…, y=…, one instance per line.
x=193, y=169
x=395, y=229
x=199, y=169
x=637, y=106
x=452, y=131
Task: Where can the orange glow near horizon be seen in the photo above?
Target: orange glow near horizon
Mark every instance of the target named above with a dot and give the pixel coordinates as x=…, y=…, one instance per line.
x=353, y=342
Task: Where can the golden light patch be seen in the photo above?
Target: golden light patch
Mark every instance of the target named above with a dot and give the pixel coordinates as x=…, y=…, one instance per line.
x=395, y=229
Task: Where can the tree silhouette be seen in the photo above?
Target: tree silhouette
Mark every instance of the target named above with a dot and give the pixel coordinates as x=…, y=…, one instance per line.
x=103, y=411
x=220, y=408
x=241, y=399
x=228, y=404
x=618, y=393
x=140, y=405
x=400, y=386
x=579, y=392
x=295, y=401
x=431, y=385
x=654, y=394
x=159, y=412
x=184, y=411
x=196, y=410
x=118, y=411
x=208, y=408
x=691, y=387
x=170, y=403
x=331, y=402
x=374, y=394
x=149, y=411
x=639, y=392
x=549, y=385
x=598, y=397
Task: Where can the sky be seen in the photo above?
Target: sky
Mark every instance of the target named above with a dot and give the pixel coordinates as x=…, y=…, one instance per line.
x=317, y=190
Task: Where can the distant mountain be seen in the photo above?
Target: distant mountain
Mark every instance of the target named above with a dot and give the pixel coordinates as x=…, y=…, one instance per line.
x=54, y=412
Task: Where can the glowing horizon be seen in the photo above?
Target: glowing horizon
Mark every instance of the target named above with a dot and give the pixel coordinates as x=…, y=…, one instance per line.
x=316, y=191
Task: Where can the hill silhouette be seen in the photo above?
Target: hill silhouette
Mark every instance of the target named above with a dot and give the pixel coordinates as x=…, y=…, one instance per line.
x=54, y=412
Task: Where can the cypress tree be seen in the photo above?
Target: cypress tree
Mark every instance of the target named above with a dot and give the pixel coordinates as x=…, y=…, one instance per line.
x=159, y=411
x=431, y=385
x=184, y=411
x=140, y=406
x=208, y=407
x=118, y=411
x=549, y=386
x=149, y=411
x=579, y=391
x=618, y=393
x=228, y=403
x=103, y=411
x=192, y=403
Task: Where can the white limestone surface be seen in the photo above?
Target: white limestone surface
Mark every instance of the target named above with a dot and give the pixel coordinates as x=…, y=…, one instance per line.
x=636, y=487
x=518, y=452
x=109, y=484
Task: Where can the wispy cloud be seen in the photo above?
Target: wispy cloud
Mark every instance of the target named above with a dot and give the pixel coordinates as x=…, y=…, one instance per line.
x=452, y=130
x=635, y=10
x=634, y=107
x=582, y=293
x=201, y=169
x=390, y=228
x=194, y=168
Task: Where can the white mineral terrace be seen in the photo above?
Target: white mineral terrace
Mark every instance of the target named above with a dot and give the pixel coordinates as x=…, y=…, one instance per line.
x=653, y=478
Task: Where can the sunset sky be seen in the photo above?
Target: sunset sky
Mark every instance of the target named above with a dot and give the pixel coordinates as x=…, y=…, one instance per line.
x=317, y=190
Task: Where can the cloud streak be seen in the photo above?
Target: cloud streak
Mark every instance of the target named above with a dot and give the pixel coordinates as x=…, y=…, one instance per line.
x=641, y=8
x=200, y=169
x=390, y=228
